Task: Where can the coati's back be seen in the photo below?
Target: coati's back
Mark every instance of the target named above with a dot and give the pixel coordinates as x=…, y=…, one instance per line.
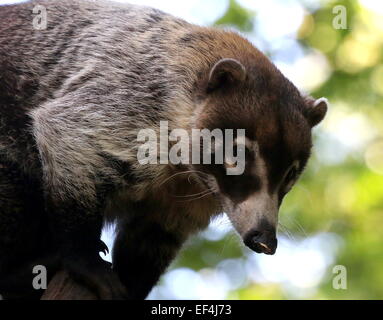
x=38, y=62
x=121, y=46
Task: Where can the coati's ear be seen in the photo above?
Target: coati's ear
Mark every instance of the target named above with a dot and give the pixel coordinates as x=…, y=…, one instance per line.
x=315, y=110
x=225, y=72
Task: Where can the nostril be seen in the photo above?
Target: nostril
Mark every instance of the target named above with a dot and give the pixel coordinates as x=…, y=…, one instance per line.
x=252, y=238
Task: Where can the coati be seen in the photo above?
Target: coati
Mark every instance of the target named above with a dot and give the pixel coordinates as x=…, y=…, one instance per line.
x=73, y=97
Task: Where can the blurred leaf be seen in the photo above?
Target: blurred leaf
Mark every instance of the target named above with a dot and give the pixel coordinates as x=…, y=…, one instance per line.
x=237, y=16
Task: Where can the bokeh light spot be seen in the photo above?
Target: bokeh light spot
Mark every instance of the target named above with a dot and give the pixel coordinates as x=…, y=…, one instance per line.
x=374, y=157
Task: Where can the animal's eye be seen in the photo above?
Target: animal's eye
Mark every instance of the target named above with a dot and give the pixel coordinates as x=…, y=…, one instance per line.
x=291, y=175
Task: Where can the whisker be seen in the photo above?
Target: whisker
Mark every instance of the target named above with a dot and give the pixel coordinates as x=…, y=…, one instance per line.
x=192, y=195
x=200, y=197
x=300, y=227
x=286, y=231
x=182, y=172
x=230, y=237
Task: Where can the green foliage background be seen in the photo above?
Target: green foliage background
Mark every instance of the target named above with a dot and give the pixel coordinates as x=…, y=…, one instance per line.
x=343, y=197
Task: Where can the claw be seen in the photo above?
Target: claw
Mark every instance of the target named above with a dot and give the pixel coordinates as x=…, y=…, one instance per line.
x=103, y=248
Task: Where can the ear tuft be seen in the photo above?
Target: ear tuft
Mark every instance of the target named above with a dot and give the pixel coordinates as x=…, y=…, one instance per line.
x=225, y=72
x=316, y=110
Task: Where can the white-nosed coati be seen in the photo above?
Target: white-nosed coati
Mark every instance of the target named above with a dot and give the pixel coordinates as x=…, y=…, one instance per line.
x=72, y=99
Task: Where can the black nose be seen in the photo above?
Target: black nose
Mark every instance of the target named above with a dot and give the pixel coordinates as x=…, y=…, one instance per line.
x=261, y=241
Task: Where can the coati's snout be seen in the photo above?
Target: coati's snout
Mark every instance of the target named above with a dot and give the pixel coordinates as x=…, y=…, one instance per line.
x=256, y=220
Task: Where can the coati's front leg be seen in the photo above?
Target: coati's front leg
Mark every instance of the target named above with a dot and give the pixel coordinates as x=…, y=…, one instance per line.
x=75, y=190
x=142, y=251
x=76, y=226
x=78, y=233
x=24, y=238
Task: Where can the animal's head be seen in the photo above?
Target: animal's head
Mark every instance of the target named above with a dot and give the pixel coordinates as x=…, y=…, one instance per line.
x=277, y=120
